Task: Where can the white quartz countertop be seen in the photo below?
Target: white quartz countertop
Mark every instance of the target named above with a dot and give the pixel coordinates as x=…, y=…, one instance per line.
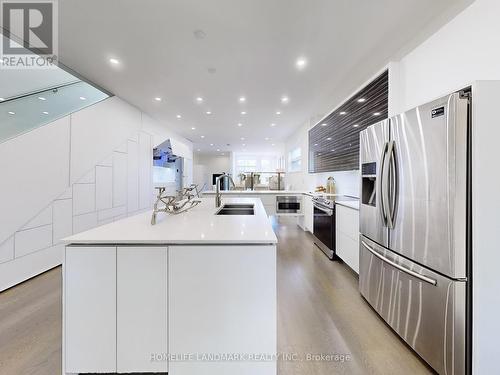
x=351, y=204
x=255, y=192
x=199, y=225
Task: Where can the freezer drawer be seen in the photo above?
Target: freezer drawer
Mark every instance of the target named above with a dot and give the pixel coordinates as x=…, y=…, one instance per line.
x=426, y=309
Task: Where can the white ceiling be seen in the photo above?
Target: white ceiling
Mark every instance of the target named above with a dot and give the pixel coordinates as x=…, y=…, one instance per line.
x=252, y=45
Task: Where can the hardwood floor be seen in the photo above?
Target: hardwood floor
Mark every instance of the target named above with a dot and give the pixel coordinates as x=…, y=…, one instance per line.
x=30, y=326
x=319, y=312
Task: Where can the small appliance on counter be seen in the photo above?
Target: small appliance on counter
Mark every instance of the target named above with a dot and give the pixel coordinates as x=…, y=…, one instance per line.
x=330, y=185
x=320, y=189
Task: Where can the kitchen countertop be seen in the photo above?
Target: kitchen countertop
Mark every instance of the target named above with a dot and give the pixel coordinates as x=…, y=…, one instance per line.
x=255, y=192
x=351, y=204
x=199, y=225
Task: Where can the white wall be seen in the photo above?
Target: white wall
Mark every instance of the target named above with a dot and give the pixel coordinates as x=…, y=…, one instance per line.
x=463, y=51
x=206, y=164
x=86, y=169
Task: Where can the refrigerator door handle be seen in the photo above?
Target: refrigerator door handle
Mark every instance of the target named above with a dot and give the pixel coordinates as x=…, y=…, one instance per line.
x=399, y=267
x=382, y=186
x=392, y=184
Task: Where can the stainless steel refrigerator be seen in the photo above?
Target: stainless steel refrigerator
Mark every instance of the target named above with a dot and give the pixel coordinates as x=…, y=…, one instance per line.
x=415, y=226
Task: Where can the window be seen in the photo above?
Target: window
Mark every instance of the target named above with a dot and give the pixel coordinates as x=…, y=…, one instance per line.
x=295, y=160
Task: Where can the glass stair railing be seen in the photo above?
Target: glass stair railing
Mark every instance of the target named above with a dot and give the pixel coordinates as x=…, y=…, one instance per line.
x=24, y=113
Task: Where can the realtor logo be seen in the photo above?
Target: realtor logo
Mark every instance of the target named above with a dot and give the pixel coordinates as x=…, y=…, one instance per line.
x=29, y=29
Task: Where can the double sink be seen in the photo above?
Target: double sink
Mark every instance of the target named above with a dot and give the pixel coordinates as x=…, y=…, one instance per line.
x=237, y=209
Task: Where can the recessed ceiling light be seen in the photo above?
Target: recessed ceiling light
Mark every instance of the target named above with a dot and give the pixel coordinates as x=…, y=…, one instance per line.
x=198, y=150
x=193, y=128
x=114, y=61
x=272, y=144
x=222, y=154
x=324, y=124
x=11, y=113
x=199, y=34
x=315, y=144
x=377, y=114
x=243, y=113
x=45, y=112
x=202, y=136
x=240, y=124
x=211, y=144
x=242, y=99
x=301, y=63
x=333, y=150
x=208, y=112
x=199, y=99
x=243, y=145
x=278, y=113
x=273, y=125
x=158, y=99
x=218, y=150
x=83, y=98
x=355, y=125
x=361, y=100
x=329, y=139
x=267, y=138
x=178, y=116
x=41, y=98
x=285, y=99
x=343, y=113
x=242, y=138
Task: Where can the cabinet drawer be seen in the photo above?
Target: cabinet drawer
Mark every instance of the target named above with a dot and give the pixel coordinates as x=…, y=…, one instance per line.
x=348, y=250
x=347, y=221
x=425, y=308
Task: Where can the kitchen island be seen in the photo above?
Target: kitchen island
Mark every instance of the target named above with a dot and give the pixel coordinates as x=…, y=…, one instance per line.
x=193, y=294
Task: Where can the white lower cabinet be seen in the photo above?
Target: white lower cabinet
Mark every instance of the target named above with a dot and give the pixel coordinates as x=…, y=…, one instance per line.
x=90, y=309
x=347, y=235
x=115, y=309
x=222, y=302
x=141, y=309
x=308, y=213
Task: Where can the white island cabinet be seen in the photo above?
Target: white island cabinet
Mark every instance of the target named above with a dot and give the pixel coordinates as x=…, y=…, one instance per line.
x=196, y=293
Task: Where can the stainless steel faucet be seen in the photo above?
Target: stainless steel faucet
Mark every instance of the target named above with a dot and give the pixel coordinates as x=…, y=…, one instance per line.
x=218, y=195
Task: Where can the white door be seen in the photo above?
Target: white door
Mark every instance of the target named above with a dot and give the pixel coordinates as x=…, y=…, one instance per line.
x=142, y=309
x=90, y=309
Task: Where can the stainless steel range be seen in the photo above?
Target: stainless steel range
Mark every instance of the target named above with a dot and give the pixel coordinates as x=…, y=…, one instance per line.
x=324, y=222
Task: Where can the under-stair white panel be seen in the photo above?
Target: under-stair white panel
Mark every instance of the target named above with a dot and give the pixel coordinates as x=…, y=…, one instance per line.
x=63, y=219
x=99, y=129
x=31, y=240
x=119, y=179
x=25, y=194
x=104, y=187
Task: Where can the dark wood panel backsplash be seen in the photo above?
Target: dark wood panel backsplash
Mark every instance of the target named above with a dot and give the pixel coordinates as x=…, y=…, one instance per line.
x=334, y=142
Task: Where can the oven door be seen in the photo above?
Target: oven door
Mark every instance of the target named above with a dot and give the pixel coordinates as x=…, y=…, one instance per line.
x=324, y=229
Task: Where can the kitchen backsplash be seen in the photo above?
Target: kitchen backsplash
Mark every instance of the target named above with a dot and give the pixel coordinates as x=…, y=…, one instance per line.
x=346, y=182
